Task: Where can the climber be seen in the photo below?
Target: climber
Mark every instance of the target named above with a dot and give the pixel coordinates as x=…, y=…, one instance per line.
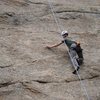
x=72, y=45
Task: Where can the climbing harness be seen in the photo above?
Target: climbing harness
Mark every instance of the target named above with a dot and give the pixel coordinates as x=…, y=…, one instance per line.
x=73, y=59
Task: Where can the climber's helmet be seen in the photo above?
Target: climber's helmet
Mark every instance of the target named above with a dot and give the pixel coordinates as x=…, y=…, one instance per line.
x=64, y=33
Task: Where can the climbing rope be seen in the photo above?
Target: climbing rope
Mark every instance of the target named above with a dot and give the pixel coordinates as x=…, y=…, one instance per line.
x=55, y=17
x=60, y=27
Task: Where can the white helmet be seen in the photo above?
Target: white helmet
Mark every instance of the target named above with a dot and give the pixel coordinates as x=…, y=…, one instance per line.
x=64, y=32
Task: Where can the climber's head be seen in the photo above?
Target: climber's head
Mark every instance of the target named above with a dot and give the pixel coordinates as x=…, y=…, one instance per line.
x=64, y=34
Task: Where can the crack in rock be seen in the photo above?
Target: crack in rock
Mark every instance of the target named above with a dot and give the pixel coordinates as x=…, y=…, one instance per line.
x=63, y=81
x=5, y=66
x=40, y=3
x=96, y=76
x=42, y=82
x=89, y=78
x=67, y=81
x=9, y=14
x=16, y=2
x=33, y=90
x=36, y=91
x=12, y=18
x=8, y=83
x=79, y=11
x=70, y=16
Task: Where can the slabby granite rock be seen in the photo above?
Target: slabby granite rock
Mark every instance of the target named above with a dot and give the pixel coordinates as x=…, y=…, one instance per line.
x=5, y=61
x=28, y=70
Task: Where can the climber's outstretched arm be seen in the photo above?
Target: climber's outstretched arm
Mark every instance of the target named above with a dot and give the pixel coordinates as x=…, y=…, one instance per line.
x=56, y=45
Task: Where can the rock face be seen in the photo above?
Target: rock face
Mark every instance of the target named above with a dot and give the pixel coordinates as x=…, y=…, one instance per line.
x=29, y=71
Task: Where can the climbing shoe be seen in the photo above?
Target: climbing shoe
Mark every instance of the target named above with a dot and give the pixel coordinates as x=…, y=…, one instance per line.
x=74, y=72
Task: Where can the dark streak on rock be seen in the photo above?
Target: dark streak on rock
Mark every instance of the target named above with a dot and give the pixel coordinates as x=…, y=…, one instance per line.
x=42, y=82
x=7, y=84
x=5, y=66
x=34, y=61
x=95, y=76
x=33, y=90
x=10, y=14
x=78, y=11
x=40, y=3
x=70, y=17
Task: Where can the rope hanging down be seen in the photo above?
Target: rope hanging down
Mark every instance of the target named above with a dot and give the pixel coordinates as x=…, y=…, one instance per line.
x=55, y=17
x=60, y=27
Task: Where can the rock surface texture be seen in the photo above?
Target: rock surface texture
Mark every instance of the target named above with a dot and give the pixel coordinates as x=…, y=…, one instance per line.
x=29, y=71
